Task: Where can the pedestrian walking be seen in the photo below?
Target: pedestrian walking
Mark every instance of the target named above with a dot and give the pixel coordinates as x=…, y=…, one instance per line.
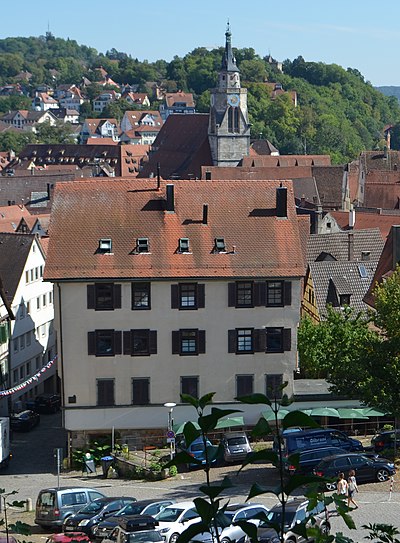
x=342, y=485
x=353, y=488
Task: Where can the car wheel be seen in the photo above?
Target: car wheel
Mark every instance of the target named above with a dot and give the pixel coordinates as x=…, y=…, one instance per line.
x=382, y=475
x=330, y=486
x=325, y=528
x=225, y=540
x=173, y=538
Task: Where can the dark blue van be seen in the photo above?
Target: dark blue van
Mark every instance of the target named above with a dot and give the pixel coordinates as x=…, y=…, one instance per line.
x=315, y=439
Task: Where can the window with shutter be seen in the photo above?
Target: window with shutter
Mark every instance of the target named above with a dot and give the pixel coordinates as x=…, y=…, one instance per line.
x=244, y=385
x=190, y=385
x=105, y=392
x=141, y=295
x=140, y=391
x=244, y=294
x=187, y=342
x=105, y=342
x=103, y=296
x=273, y=386
x=187, y=296
x=274, y=294
x=274, y=340
x=244, y=341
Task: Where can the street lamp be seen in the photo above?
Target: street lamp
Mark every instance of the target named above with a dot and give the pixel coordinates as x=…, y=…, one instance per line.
x=170, y=406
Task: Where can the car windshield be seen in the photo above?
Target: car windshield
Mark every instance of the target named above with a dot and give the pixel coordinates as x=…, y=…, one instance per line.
x=275, y=517
x=170, y=514
x=92, y=507
x=236, y=441
x=130, y=509
x=144, y=537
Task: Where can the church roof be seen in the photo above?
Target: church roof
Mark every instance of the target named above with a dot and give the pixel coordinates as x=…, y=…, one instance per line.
x=228, y=60
x=181, y=147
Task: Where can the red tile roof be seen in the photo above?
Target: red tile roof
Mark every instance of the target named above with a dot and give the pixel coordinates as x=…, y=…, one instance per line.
x=172, y=98
x=259, y=244
x=366, y=220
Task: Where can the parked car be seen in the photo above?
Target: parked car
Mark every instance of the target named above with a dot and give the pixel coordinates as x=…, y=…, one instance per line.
x=71, y=537
x=367, y=470
x=296, y=512
x=195, y=449
x=315, y=439
x=47, y=403
x=385, y=440
x=24, y=421
x=177, y=517
x=142, y=507
x=54, y=505
x=240, y=511
x=136, y=529
x=236, y=446
x=309, y=458
x=94, y=512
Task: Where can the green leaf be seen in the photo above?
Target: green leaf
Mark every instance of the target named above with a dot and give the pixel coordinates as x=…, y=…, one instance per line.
x=261, y=429
x=183, y=457
x=206, y=399
x=187, y=398
x=257, y=489
x=300, y=529
x=212, y=491
x=293, y=459
x=208, y=422
x=265, y=455
x=215, y=452
x=191, y=531
x=297, y=481
x=254, y=399
x=249, y=529
x=205, y=509
x=190, y=432
x=298, y=418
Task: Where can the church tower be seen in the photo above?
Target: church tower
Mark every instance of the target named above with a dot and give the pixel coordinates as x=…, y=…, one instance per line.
x=229, y=128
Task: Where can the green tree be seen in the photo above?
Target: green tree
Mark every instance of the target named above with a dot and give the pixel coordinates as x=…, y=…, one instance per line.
x=60, y=133
x=16, y=141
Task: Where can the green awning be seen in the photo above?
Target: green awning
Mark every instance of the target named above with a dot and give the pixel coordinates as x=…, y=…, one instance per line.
x=229, y=422
x=269, y=415
x=351, y=413
x=324, y=412
x=178, y=428
x=371, y=412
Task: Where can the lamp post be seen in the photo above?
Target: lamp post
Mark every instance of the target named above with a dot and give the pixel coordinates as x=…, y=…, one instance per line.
x=170, y=406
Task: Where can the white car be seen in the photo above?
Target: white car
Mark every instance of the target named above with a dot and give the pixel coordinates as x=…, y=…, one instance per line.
x=240, y=511
x=175, y=518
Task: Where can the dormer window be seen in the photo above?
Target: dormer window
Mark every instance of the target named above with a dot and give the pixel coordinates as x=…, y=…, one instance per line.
x=220, y=246
x=365, y=255
x=142, y=245
x=344, y=299
x=105, y=245
x=184, y=245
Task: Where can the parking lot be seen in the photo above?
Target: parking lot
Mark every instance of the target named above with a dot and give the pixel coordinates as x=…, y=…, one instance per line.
x=33, y=468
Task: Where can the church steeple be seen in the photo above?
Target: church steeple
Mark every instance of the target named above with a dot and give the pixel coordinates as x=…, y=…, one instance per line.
x=229, y=128
x=228, y=60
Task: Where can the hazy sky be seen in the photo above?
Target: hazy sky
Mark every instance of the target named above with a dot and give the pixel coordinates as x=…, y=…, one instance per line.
x=360, y=34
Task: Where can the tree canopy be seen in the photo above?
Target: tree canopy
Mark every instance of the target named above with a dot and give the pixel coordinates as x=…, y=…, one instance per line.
x=337, y=113
x=359, y=355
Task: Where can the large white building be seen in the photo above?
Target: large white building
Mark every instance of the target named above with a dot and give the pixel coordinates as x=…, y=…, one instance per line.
x=166, y=289
x=33, y=339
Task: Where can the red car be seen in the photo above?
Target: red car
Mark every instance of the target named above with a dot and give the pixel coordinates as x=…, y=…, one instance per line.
x=71, y=537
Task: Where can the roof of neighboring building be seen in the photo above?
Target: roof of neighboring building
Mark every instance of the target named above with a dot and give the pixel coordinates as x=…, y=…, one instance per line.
x=172, y=98
x=93, y=124
x=367, y=220
x=14, y=252
x=329, y=181
x=101, y=141
x=337, y=245
x=132, y=158
x=263, y=147
x=181, y=147
x=379, y=160
x=124, y=210
x=382, y=189
x=333, y=279
x=46, y=98
x=287, y=160
x=136, y=117
x=10, y=217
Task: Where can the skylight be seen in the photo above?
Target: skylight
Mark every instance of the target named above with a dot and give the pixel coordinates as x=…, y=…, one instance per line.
x=142, y=245
x=362, y=270
x=105, y=245
x=220, y=246
x=183, y=245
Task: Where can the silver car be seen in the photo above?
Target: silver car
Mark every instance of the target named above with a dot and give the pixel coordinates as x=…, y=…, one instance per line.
x=241, y=511
x=236, y=446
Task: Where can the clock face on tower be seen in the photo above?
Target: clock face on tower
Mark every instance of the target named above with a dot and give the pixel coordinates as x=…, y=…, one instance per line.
x=233, y=100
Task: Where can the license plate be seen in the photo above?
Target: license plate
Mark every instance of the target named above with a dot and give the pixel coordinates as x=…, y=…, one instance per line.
x=69, y=528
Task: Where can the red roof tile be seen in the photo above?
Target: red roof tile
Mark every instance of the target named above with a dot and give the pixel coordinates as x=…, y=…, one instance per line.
x=259, y=244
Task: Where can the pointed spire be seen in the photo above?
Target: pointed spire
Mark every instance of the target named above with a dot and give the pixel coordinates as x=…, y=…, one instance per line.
x=228, y=60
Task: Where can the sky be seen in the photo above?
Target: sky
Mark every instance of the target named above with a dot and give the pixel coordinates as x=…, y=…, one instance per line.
x=361, y=34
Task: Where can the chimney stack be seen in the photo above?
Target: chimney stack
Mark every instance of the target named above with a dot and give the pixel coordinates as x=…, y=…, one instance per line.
x=281, y=201
x=350, y=246
x=352, y=218
x=205, y=214
x=158, y=176
x=170, y=199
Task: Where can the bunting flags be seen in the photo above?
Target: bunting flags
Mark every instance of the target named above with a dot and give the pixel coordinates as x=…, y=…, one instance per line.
x=35, y=377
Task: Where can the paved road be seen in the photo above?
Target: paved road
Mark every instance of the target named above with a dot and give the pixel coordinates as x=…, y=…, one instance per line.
x=33, y=468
